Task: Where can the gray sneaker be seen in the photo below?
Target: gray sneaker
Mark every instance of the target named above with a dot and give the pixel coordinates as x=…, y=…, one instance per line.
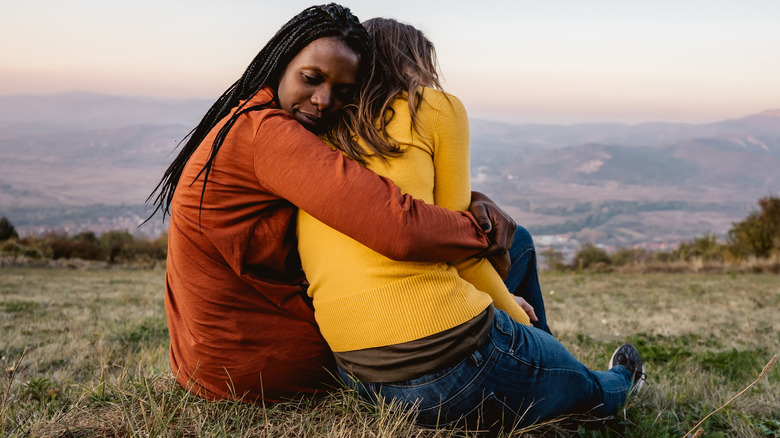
x=628, y=356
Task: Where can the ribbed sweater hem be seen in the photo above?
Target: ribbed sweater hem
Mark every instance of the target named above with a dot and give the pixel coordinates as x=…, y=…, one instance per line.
x=402, y=311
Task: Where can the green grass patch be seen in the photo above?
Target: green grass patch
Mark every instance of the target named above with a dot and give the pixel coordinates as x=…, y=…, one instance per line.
x=23, y=307
x=659, y=349
x=149, y=333
x=734, y=365
x=768, y=428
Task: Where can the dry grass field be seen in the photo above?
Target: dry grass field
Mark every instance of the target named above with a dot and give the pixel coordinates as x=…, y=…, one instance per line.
x=85, y=354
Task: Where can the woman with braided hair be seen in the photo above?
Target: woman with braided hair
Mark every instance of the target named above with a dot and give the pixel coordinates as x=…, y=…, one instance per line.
x=447, y=339
x=240, y=323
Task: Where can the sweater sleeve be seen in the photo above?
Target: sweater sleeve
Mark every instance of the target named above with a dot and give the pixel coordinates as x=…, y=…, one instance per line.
x=296, y=165
x=452, y=189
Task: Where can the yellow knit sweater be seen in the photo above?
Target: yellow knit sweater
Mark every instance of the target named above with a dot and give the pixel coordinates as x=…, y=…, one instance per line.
x=363, y=299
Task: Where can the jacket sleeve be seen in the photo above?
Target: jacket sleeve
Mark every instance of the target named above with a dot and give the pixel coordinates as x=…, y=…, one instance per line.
x=452, y=189
x=296, y=165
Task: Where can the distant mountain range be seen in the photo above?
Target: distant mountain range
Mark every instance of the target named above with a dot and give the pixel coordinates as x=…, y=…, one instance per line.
x=614, y=184
x=36, y=114
x=758, y=126
x=652, y=182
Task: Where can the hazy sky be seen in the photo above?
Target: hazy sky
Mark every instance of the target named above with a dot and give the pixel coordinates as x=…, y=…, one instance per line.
x=515, y=60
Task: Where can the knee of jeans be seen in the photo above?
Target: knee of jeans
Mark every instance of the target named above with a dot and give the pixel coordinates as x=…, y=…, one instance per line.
x=522, y=238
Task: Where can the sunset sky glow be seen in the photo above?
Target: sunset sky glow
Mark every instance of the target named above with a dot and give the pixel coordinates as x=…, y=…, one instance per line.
x=515, y=60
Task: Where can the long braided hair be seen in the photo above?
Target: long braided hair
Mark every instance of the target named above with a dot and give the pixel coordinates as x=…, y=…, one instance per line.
x=331, y=20
x=405, y=60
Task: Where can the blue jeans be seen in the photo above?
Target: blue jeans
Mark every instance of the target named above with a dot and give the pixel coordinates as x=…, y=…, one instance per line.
x=518, y=376
x=523, y=277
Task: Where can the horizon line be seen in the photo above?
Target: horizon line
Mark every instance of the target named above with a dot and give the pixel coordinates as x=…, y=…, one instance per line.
x=482, y=115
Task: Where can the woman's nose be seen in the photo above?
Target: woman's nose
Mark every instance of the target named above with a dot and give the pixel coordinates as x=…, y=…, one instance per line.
x=322, y=99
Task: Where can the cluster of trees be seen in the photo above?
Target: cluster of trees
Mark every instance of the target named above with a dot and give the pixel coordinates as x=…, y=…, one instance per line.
x=7, y=230
x=759, y=233
x=593, y=258
x=113, y=246
x=757, y=236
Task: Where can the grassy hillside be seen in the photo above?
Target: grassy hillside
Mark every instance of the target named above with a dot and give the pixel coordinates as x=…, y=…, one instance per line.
x=85, y=354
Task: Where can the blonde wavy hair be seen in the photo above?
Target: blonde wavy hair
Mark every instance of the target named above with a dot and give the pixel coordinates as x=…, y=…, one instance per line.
x=405, y=60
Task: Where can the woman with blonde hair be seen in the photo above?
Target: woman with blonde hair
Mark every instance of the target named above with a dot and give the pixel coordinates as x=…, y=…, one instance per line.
x=448, y=339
